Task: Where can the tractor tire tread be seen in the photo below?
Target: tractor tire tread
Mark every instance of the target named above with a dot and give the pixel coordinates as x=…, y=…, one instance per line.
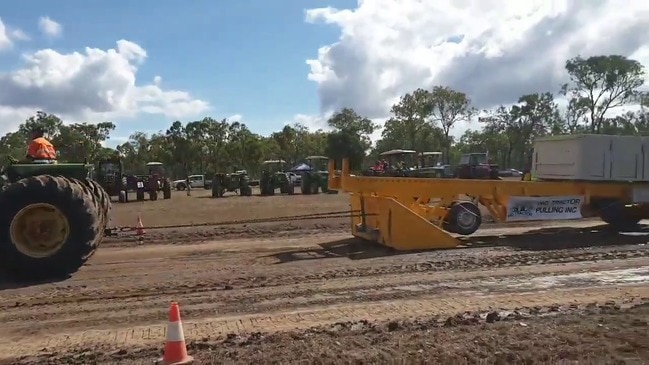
x=84, y=202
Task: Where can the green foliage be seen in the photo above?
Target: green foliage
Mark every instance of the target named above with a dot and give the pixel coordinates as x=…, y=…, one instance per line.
x=345, y=143
x=600, y=83
x=421, y=120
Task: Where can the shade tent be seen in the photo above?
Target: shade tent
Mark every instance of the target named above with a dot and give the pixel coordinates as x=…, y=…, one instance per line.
x=301, y=167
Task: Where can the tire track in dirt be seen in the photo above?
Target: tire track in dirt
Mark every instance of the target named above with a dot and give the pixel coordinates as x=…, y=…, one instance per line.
x=137, y=336
x=124, y=289
x=265, y=299
x=207, y=273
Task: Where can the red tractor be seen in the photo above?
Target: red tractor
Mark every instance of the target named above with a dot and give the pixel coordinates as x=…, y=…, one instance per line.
x=476, y=166
x=152, y=183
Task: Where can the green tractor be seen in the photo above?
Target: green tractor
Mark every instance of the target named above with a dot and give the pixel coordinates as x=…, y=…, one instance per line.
x=274, y=176
x=52, y=219
x=316, y=179
x=110, y=175
x=236, y=181
x=431, y=165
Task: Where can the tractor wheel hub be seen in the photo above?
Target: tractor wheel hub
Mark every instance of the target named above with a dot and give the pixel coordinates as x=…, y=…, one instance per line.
x=39, y=230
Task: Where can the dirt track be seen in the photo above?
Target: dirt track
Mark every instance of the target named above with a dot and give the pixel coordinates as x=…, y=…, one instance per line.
x=574, y=296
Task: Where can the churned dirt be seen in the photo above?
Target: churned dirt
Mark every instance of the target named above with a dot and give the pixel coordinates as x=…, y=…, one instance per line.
x=209, y=218
x=296, y=292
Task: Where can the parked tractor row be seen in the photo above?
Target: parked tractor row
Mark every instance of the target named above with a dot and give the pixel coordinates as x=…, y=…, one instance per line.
x=110, y=175
x=312, y=176
x=409, y=163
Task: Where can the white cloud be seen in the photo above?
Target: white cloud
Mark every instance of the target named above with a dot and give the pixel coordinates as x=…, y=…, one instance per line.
x=5, y=41
x=319, y=121
x=312, y=121
x=49, y=27
x=114, y=141
x=18, y=34
x=235, y=118
x=9, y=34
x=494, y=50
x=10, y=118
x=93, y=85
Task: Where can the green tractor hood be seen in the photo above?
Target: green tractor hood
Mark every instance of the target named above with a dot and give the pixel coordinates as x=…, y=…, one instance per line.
x=79, y=171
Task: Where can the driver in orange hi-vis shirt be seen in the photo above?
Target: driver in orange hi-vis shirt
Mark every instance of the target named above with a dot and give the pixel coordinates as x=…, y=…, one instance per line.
x=40, y=149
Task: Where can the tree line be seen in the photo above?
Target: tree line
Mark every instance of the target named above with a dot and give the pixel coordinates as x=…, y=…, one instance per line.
x=421, y=120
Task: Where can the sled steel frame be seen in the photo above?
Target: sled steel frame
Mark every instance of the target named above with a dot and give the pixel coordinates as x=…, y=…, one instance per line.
x=409, y=213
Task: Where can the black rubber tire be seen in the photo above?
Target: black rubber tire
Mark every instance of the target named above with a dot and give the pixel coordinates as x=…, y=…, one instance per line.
x=181, y=186
x=166, y=190
x=87, y=207
x=617, y=216
x=123, y=196
x=139, y=195
x=263, y=185
x=451, y=222
x=153, y=195
x=216, y=188
x=304, y=185
x=315, y=189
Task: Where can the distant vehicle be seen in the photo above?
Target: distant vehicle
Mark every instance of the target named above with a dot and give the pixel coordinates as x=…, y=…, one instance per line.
x=510, y=173
x=195, y=182
x=296, y=179
x=476, y=166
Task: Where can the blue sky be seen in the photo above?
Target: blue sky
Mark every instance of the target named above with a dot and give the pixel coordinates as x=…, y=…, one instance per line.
x=244, y=57
x=249, y=57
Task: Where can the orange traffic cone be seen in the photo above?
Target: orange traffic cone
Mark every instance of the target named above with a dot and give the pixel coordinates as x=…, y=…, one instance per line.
x=140, y=227
x=175, y=352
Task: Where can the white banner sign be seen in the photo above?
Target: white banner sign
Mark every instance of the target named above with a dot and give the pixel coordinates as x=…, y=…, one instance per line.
x=525, y=208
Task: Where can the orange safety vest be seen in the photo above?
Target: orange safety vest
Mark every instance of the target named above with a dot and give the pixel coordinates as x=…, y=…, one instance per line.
x=41, y=149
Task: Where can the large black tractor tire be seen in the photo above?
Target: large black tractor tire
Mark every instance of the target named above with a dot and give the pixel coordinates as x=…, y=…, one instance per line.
x=153, y=195
x=304, y=185
x=216, y=189
x=123, y=196
x=266, y=187
x=245, y=190
x=166, y=190
x=463, y=218
x=139, y=195
x=616, y=215
x=82, y=209
x=270, y=188
x=262, y=187
x=313, y=186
